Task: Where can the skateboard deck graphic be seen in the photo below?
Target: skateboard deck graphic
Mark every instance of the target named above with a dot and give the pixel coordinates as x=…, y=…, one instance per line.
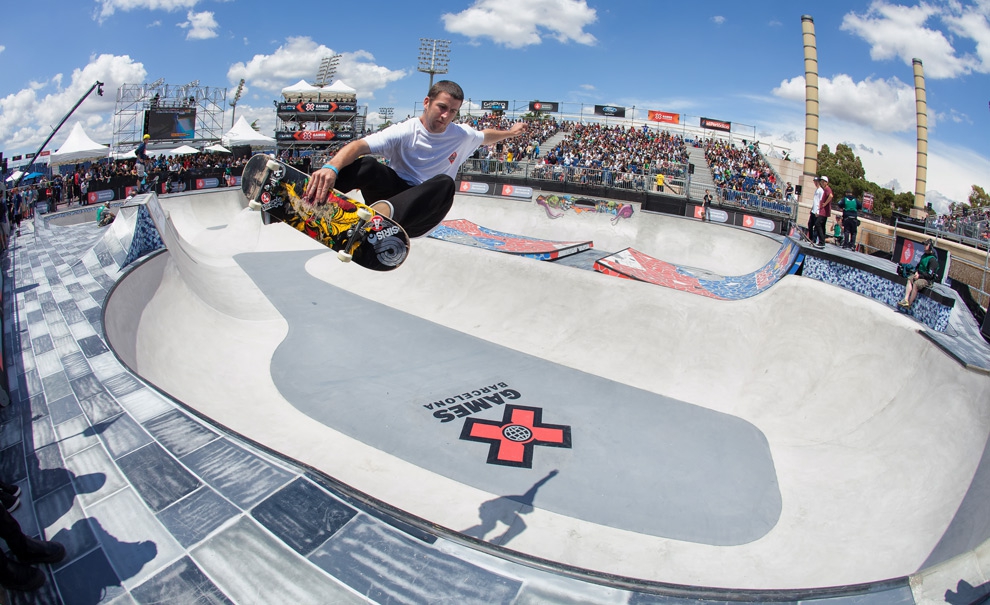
x=350, y=227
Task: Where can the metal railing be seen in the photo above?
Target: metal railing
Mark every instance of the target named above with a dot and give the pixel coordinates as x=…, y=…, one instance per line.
x=971, y=233
x=675, y=181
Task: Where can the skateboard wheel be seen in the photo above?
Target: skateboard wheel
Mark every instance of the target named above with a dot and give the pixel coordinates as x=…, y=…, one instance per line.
x=272, y=165
x=344, y=257
x=364, y=214
x=254, y=205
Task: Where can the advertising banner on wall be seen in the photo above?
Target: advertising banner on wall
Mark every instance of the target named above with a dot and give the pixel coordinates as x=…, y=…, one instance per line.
x=544, y=106
x=494, y=105
x=716, y=124
x=868, y=202
x=610, y=111
x=313, y=136
x=665, y=117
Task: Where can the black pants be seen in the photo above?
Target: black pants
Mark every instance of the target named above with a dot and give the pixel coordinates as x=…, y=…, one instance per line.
x=11, y=533
x=820, y=229
x=418, y=208
x=849, y=232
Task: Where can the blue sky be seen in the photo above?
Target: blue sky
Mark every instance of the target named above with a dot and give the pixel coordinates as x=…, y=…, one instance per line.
x=735, y=61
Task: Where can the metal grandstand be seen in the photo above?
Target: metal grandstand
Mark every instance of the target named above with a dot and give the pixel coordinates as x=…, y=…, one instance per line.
x=134, y=101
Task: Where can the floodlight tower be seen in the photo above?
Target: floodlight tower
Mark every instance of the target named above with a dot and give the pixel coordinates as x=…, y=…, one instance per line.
x=434, y=57
x=328, y=69
x=233, y=104
x=386, y=113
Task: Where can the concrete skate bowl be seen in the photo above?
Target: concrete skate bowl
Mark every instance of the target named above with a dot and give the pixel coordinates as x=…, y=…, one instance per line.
x=782, y=442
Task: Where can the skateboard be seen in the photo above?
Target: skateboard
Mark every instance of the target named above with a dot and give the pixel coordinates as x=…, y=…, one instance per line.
x=350, y=227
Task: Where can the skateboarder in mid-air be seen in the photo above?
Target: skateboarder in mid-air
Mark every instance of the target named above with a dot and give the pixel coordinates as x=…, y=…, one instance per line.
x=424, y=155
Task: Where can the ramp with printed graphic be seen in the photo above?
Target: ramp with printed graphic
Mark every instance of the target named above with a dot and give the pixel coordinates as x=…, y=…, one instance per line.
x=470, y=234
x=633, y=264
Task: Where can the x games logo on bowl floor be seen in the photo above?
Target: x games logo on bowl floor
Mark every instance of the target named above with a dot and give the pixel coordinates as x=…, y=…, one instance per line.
x=512, y=440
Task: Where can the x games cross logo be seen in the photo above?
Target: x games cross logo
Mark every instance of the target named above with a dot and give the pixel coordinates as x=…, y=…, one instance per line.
x=512, y=440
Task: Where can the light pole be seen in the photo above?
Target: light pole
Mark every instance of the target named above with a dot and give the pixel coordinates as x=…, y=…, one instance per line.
x=328, y=69
x=386, y=113
x=233, y=104
x=434, y=57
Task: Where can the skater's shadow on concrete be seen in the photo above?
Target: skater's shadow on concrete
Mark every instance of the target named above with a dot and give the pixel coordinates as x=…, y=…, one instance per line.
x=509, y=510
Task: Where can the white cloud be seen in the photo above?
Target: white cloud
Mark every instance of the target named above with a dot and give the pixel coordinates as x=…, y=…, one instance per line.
x=27, y=116
x=520, y=23
x=718, y=19
x=904, y=32
x=882, y=105
x=201, y=26
x=2, y=48
x=109, y=7
x=888, y=158
x=299, y=58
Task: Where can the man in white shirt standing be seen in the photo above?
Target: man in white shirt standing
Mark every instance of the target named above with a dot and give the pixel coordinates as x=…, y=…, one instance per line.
x=424, y=155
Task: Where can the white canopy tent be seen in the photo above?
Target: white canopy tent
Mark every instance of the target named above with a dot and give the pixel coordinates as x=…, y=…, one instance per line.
x=301, y=89
x=340, y=88
x=243, y=134
x=78, y=147
x=217, y=149
x=182, y=150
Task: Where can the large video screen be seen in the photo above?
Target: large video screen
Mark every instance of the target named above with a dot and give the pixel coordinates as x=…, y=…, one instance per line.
x=170, y=123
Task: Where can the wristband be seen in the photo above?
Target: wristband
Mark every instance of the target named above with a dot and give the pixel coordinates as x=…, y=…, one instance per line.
x=332, y=167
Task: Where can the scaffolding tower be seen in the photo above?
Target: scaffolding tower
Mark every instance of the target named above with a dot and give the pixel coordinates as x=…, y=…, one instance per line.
x=317, y=120
x=135, y=100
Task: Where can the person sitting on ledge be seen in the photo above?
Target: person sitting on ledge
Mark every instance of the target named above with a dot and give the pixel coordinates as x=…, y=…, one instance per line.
x=924, y=275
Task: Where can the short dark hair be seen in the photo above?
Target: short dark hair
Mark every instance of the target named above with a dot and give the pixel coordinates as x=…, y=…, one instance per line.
x=451, y=88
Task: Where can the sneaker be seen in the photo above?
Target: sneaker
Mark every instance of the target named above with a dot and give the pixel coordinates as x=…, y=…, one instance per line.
x=9, y=502
x=39, y=551
x=11, y=490
x=17, y=576
x=903, y=303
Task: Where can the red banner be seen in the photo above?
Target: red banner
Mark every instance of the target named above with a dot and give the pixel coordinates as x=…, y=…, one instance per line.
x=868, y=202
x=663, y=116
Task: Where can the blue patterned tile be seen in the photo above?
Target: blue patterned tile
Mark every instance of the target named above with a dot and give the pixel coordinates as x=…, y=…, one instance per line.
x=75, y=365
x=387, y=567
x=88, y=580
x=196, y=516
x=158, y=478
x=47, y=470
x=78, y=538
x=86, y=385
x=179, y=433
x=122, y=384
x=64, y=409
x=242, y=477
x=181, y=582
x=93, y=345
x=100, y=407
x=121, y=435
x=302, y=515
x=42, y=344
x=56, y=386
x=12, y=465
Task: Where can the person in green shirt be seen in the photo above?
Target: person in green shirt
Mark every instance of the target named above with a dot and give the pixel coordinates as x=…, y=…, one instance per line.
x=850, y=207
x=925, y=274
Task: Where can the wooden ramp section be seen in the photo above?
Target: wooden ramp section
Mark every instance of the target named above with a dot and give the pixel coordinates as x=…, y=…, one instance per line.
x=633, y=264
x=470, y=234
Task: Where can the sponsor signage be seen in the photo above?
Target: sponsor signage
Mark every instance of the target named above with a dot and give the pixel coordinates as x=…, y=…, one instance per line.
x=14, y=158
x=314, y=136
x=610, y=111
x=716, y=124
x=313, y=107
x=758, y=223
x=97, y=197
x=209, y=183
x=715, y=215
x=552, y=107
x=868, y=202
x=513, y=191
x=474, y=187
x=494, y=105
x=45, y=153
x=664, y=116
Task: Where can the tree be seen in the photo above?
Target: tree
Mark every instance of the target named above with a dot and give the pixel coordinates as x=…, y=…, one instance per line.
x=979, y=198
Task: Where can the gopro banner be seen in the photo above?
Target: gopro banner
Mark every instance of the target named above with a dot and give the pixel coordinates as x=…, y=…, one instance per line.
x=494, y=105
x=716, y=124
x=610, y=111
x=544, y=106
x=665, y=117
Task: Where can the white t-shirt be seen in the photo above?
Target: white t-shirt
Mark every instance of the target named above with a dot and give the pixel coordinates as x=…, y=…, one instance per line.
x=416, y=154
x=816, y=204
